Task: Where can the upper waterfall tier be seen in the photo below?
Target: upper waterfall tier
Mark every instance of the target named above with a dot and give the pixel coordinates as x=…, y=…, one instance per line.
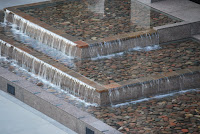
x=87, y=30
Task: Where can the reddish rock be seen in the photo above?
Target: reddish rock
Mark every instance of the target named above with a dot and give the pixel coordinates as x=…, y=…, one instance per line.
x=184, y=130
x=127, y=129
x=166, y=119
x=186, y=110
x=113, y=67
x=170, y=70
x=169, y=106
x=173, y=65
x=111, y=81
x=177, y=128
x=149, y=70
x=120, y=123
x=172, y=124
x=132, y=124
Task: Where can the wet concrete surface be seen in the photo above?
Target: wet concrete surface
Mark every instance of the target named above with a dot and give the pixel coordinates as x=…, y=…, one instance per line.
x=5, y=3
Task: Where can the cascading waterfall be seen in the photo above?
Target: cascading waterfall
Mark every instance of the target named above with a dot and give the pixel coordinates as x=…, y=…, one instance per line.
x=145, y=42
x=149, y=88
x=47, y=72
x=19, y=36
x=6, y=13
x=40, y=34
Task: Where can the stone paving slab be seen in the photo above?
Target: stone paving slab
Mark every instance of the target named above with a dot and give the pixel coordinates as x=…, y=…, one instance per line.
x=183, y=9
x=25, y=119
x=194, y=12
x=4, y=4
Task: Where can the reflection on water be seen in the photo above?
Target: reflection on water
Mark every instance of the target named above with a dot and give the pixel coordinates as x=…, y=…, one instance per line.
x=96, y=6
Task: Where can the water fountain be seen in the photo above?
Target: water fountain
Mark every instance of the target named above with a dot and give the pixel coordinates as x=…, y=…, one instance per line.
x=107, y=55
x=77, y=78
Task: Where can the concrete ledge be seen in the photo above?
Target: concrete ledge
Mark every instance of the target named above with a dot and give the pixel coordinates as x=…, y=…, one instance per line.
x=195, y=28
x=174, y=31
x=53, y=106
x=177, y=31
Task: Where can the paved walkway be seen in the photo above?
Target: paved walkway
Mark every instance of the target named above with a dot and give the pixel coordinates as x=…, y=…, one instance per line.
x=18, y=118
x=9, y=3
x=183, y=9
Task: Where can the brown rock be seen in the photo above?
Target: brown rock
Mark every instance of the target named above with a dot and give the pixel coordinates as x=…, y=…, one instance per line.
x=127, y=129
x=113, y=67
x=172, y=124
x=186, y=110
x=184, y=130
x=169, y=106
x=11, y=68
x=40, y=84
x=120, y=123
x=132, y=124
x=166, y=119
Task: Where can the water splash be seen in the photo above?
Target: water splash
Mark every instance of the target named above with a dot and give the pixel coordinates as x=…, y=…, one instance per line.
x=57, y=55
x=147, y=48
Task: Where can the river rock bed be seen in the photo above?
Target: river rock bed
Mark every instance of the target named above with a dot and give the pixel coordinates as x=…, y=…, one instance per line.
x=174, y=114
x=94, y=20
